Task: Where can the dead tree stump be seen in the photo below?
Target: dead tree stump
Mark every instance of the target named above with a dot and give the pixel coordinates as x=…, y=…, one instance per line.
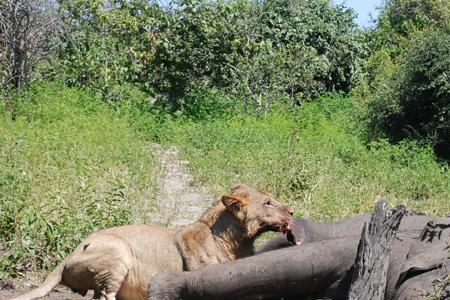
x=372, y=261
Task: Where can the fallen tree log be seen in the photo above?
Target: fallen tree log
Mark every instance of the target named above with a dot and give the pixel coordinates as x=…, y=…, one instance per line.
x=320, y=268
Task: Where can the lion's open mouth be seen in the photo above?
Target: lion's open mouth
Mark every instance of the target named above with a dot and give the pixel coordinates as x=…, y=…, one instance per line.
x=288, y=229
x=292, y=239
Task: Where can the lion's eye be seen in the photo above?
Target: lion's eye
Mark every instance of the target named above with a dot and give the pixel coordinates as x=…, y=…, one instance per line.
x=268, y=203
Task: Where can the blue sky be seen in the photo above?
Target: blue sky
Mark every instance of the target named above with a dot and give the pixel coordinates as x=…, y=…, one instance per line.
x=363, y=8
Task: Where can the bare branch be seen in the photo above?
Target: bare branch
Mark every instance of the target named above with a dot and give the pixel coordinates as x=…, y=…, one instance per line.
x=25, y=29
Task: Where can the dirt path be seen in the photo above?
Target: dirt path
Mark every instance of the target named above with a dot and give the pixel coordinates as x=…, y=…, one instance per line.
x=178, y=204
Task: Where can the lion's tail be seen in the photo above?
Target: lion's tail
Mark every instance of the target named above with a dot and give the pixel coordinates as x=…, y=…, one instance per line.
x=52, y=280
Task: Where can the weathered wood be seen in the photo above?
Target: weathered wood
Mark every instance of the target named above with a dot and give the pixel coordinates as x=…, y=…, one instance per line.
x=370, y=270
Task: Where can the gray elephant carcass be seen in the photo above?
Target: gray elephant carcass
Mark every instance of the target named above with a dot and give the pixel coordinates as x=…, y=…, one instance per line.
x=321, y=267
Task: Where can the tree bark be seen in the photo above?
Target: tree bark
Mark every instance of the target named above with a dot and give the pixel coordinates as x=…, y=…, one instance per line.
x=372, y=262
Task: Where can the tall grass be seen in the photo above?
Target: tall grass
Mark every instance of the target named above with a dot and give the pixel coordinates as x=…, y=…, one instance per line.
x=315, y=158
x=68, y=166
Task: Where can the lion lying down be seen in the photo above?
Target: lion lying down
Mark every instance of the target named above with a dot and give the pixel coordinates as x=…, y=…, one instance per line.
x=118, y=263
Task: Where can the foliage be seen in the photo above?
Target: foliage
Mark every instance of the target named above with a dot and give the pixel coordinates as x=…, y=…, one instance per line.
x=259, y=51
x=194, y=45
x=319, y=27
x=315, y=158
x=415, y=104
x=68, y=166
x=106, y=45
x=192, y=73
x=66, y=172
x=398, y=22
x=405, y=75
x=407, y=16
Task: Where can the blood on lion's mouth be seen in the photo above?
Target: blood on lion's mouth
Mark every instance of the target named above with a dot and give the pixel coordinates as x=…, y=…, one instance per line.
x=292, y=239
x=288, y=229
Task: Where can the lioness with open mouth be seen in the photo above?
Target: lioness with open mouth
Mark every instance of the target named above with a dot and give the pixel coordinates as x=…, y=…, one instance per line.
x=118, y=263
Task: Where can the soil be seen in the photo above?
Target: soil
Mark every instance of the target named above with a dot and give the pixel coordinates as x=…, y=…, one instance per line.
x=179, y=203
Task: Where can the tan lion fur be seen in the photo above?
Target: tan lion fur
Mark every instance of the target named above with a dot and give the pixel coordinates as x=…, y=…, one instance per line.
x=118, y=263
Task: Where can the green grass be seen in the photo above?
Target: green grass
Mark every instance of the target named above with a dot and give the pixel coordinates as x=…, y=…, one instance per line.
x=71, y=164
x=68, y=166
x=316, y=159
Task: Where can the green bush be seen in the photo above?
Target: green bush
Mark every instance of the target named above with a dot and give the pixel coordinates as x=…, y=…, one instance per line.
x=415, y=103
x=314, y=158
x=407, y=16
x=68, y=165
x=257, y=51
x=105, y=47
x=400, y=20
x=210, y=103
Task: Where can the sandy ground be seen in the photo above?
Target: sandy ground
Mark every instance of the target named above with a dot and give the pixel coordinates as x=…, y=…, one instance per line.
x=179, y=203
x=60, y=293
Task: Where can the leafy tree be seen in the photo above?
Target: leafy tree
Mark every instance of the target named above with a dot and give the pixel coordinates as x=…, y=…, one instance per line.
x=326, y=29
x=196, y=44
x=407, y=16
x=415, y=104
x=255, y=51
x=259, y=51
x=407, y=70
x=400, y=20
x=107, y=44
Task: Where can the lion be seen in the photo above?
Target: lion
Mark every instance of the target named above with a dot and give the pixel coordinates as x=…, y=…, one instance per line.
x=118, y=263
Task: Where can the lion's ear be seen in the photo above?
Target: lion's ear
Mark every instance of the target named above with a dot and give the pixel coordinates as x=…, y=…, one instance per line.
x=234, y=202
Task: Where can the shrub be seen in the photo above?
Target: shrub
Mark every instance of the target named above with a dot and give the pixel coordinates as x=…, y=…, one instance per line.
x=68, y=165
x=258, y=51
x=315, y=158
x=407, y=16
x=415, y=103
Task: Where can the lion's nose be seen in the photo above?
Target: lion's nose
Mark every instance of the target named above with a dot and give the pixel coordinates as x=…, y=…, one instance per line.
x=290, y=211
